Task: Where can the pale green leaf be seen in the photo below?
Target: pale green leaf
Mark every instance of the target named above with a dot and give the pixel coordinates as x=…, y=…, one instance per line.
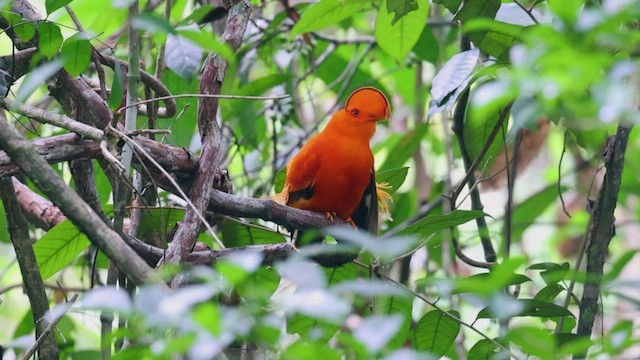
x=328, y=12
x=76, y=52
x=398, y=36
x=435, y=332
x=50, y=38
x=59, y=247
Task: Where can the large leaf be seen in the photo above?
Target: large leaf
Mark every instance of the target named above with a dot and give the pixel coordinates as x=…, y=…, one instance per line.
x=236, y=234
x=485, y=283
x=530, y=307
x=59, y=247
x=487, y=104
x=160, y=220
x=117, y=88
x=50, y=38
x=401, y=305
x=328, y=12
x=528, y=211
x=452, y=79
x=451, y=5
x=427, y=47
x=483, y=350
x=393, y=177
x=53, y=5
x=24, y=28
x=397, y=34
x=405, y=148
x=435, y=332
x=433, y=223
x=183, y=56
x=493, y=37
x=478, y=8
x=76, y=52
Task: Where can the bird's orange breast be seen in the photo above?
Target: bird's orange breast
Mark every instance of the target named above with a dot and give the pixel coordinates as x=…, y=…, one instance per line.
x=342, y=169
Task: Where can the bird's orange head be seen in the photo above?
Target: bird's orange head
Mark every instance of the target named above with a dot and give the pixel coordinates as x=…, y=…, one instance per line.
x=369, y=104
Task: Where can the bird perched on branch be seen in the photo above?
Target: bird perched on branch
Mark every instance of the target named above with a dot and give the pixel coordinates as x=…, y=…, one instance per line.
x=334, y=172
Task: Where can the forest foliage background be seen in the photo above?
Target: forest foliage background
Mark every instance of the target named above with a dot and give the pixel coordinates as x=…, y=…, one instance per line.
x=514, y=227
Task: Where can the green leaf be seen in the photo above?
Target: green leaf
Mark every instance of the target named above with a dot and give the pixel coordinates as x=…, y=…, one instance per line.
x=397, y=36
x=260, y=285
x=343, y=273
x=208, y=41
x=59, y=247
x=493, y=37
x=53, y=5
x=553, y=273
x=435, y=332
x=4, y=228
x=619, y=264
x=392, y=305
x=531, y=307
x=487, y=283
x=527, y=212
x=451, y=5
x=305, y=326
x=26, y=30
x=431, y=224
x=161, y=220
x=394, y=177
x=481, y=119
x=478, y=8
x=76, y=52
x=117, y=88
x=536, y=342
x=235, y=234
x=50, y=38
x=404, y=149
x=183, y=56
x=452, y=79
x=401, y=8
x=427, y=47
x=304, y=350
x=483, y=350
x=197, y=15
x=281, y=178
x=548, y=293
x=152, y=23
x=567, y=10
x=328, y=12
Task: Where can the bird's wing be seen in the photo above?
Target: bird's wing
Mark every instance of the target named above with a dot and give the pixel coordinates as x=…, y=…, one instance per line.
x=301, y=176
x=366, y=214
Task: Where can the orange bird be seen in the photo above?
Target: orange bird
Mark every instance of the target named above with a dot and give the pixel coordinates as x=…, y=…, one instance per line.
x=333, y=173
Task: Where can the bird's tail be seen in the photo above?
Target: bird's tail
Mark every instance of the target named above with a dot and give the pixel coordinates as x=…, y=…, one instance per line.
x=280, y=198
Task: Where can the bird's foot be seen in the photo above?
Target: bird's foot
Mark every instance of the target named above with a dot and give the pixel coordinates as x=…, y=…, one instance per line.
x=330, y=215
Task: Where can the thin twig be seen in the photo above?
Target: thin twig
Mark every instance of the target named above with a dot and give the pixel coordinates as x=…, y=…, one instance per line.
x=242, y=97
x=526, y=11
x=49, y=329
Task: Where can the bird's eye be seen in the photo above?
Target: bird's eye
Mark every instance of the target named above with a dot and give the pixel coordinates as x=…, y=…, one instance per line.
x=355, y=112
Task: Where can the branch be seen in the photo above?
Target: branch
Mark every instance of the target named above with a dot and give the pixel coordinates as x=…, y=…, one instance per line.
x=59, y=120
x=54, y=149
x=33, y=284
x=602, y=228
x=38, y=210
x=212, y=152
x=50, y=182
